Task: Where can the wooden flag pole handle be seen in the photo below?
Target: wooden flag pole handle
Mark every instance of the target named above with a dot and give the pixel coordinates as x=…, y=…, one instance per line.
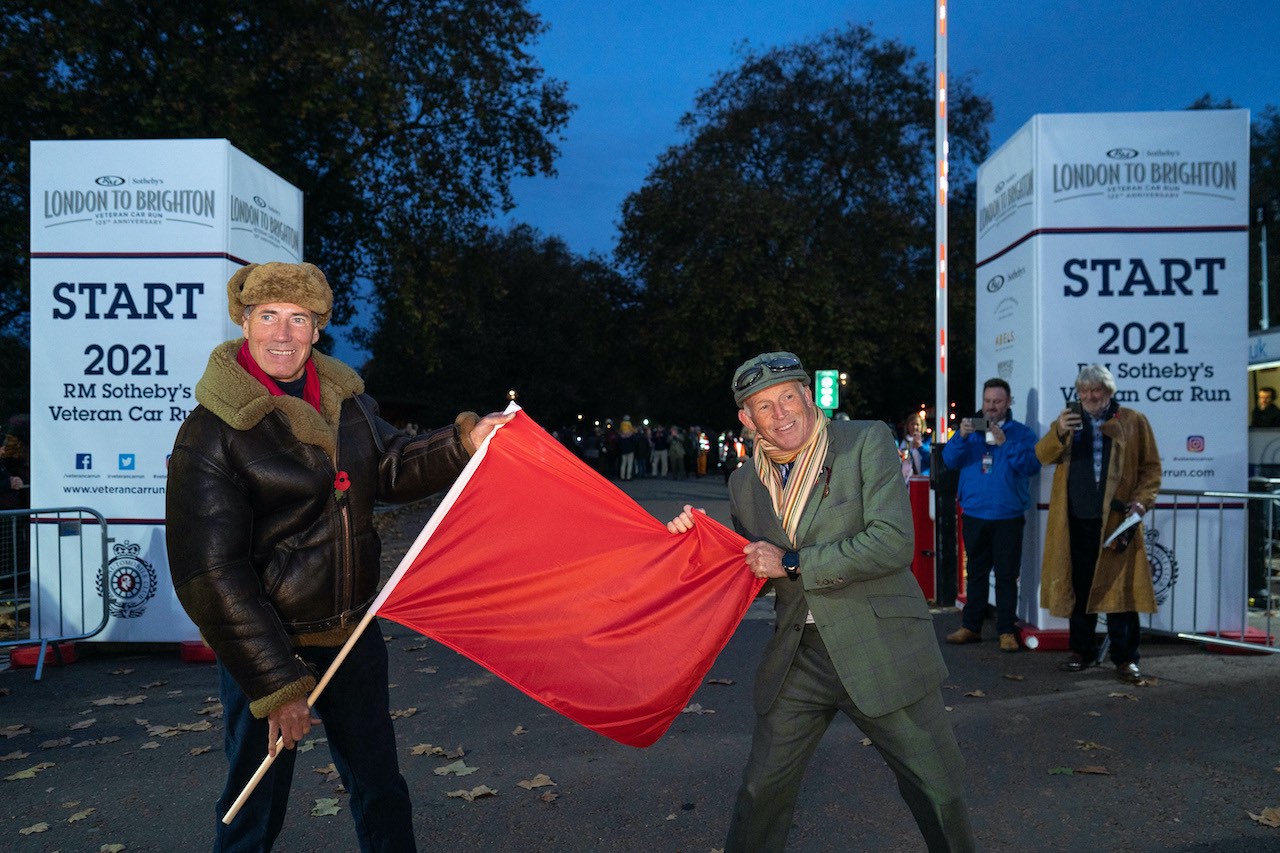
x=311, y=702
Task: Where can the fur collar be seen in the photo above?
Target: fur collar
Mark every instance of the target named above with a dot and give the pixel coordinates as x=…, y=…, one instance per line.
x=241, y=402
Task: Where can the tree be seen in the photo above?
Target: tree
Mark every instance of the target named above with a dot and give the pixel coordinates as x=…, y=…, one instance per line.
x=1264, y=202
x=1264, y=196
x=504, y=311
x=394, y=118
x=799, y=214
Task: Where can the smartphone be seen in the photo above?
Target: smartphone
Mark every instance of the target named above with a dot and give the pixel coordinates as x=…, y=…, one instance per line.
x=979, y=424
x=1077, y=409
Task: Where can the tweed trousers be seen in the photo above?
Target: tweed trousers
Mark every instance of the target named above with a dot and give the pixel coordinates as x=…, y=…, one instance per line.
x=916, y=742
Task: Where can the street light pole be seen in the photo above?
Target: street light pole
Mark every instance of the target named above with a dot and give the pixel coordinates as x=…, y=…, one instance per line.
x=1262, y=251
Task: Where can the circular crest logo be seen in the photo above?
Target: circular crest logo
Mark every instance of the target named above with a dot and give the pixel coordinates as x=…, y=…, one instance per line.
x=259, y=201
x=1122, y=153
x=1164, y=568
x=130, y=581
x=109, y=181
x=996, y=282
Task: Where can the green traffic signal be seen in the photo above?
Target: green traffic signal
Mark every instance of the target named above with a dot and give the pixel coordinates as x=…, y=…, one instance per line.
x=826, y=389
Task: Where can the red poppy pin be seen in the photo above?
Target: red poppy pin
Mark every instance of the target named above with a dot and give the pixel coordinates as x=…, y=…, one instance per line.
x=340, y=484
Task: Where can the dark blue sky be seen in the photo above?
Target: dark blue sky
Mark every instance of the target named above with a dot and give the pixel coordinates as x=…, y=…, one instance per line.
x=633, y=68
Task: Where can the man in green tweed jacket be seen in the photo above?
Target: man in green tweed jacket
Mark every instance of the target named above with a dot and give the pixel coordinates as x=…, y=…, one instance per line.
x=826, y=509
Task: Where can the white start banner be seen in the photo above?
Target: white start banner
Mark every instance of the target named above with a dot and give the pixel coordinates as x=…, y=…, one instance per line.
x=132, y=243
x=1121, y=239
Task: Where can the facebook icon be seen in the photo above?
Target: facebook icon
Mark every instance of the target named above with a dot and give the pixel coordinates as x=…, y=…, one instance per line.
x=84, y=461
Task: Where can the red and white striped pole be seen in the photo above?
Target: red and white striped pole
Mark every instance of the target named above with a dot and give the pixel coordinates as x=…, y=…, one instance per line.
x=941, y=409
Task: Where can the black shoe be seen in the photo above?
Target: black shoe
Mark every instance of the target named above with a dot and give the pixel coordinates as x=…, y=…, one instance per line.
x=1129, y=672
x=1075, y=663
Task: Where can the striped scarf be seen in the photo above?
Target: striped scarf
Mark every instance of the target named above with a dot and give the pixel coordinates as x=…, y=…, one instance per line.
x=789, y=500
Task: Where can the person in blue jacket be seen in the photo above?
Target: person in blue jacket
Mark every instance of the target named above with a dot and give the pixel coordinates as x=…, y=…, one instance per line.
x=995, y=464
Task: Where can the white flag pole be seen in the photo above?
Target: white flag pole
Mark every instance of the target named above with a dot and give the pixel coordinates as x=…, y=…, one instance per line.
x=436, y=517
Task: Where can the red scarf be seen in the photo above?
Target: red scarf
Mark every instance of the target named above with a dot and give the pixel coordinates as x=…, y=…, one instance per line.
x=310, y=390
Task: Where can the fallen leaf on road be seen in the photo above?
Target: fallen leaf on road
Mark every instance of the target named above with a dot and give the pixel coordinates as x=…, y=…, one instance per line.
x=474, y=793
x=401, y=713
x=325, y=807
x=719, y=681
x=14, y=731
x=156, y=684
x=426, y=749
x=428, y=670
x=80, y=815
x=416, y=648
x=98, y=742
x=35, y=827
x=1270, y=816
x=1093, y=714
x=457, y=768
x=520, y=730
x=211, y=710
x=329, y=772
x=121, y=671
x=549, y=797
x=1088, y=744
x=151, y=744
x=30, y=772
x=54, y=744
x=83, y=724
x=172, y=731
x=1121, y=695
x=1094, y=769
x=1012, y=677
x=19, y=754
x=308, y=745
x=111, y=848
x=119, y=700
x=200, y=750
x=542, y=780
x=977, y=694
x=695, y=708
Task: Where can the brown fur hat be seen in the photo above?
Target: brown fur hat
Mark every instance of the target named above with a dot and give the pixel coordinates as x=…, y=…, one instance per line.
x=298, y=284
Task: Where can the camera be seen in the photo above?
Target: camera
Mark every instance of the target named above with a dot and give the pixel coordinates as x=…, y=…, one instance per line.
x=978, y=424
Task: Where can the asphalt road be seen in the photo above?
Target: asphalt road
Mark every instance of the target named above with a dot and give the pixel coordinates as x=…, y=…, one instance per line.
x=123, y=748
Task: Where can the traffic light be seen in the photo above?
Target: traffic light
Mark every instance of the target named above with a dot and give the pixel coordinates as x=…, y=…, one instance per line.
x=827, y=389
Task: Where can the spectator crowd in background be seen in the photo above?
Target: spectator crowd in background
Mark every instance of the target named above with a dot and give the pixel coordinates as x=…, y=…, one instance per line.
x=628, y=450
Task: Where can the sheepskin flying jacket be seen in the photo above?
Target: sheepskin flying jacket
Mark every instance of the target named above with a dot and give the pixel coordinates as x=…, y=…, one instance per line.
x=266, y=551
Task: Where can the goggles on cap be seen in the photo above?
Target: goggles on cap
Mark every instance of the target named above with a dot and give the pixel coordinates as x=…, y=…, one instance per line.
x=752, y=375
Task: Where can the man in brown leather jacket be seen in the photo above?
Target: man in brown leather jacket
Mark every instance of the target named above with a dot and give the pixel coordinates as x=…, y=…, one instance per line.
x=273, y=553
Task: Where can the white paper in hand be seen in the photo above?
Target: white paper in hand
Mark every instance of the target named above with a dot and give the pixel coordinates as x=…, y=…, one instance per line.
x=1132, y=519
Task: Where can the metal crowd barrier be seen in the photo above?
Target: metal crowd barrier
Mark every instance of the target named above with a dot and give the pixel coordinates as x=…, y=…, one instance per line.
x=52, y=578
x=1199, y=569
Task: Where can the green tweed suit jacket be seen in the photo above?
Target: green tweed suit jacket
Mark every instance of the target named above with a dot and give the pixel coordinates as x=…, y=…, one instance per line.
x=855, y=545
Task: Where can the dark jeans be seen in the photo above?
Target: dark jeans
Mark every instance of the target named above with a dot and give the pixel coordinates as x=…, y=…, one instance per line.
x=1122, y=628
x=357, y=724
x=994, y=544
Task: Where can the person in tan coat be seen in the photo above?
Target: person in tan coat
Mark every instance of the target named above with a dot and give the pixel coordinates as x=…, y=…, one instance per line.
x=1108, y=467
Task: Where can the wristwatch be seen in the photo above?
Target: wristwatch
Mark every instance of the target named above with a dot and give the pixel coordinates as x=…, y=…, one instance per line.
x=791, y=564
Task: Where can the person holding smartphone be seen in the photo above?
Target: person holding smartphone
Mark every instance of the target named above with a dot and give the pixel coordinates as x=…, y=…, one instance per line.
x=1108, y=467
x=995, y=456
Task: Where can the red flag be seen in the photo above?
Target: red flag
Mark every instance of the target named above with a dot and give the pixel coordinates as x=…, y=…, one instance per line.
x=545, y=573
